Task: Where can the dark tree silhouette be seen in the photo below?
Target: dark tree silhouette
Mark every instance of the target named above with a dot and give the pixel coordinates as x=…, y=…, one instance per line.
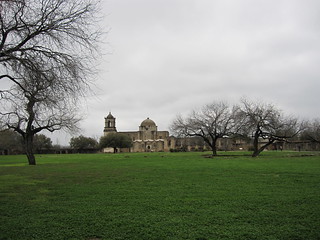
x=265, y=122
x=47, y=50
x=115, y=140
x=83, y=142
x=213, y=121
x=312, y=131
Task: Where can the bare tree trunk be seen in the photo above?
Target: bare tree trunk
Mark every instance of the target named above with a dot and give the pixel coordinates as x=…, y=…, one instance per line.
x=214, y=150
x=257, y=150
x=28, y=141
x=214, y=147
x=256, y=145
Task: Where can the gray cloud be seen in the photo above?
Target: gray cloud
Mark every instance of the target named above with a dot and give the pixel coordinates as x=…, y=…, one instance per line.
x=169, y=57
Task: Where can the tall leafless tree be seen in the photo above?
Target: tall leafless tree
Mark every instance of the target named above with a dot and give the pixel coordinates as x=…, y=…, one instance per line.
x=266, y=124
x=212, y=122
x=47, y=48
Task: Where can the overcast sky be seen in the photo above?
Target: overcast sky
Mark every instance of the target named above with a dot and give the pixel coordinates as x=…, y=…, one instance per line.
x=171, y=56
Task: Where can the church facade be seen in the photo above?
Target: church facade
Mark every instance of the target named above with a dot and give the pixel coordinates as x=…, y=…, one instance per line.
x=146, y=139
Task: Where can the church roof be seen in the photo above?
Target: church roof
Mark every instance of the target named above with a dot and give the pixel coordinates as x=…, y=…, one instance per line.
x=110, y=116
x=147, y=123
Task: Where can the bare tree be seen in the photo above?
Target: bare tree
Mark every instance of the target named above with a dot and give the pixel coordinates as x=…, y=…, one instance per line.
x=265, y=122
x=47, y=48
x=212, y=122
x=312, y=131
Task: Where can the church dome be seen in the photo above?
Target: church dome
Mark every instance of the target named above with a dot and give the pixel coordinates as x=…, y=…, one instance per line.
x=148, y=123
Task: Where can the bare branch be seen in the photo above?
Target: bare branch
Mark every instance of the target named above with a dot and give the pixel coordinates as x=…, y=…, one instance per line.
x=213, y=121
x=264, y=121
x=47, y=51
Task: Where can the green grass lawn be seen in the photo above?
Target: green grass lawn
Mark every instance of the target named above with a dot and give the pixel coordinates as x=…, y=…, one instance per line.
x=161, y=196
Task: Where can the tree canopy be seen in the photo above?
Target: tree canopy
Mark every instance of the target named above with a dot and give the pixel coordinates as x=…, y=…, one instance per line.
x=47, y=50
x=42, y=142
x=312, y=131
x=11, y=142
x=115, y=140
x=81, y=143
x=262, y=122
x=265, y=122
x=213, y=121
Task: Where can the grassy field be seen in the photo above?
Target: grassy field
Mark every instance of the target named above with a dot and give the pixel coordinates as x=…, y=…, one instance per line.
x=161, y=196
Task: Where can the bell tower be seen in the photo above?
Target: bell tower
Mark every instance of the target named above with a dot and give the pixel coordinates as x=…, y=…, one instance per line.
x=109, y=124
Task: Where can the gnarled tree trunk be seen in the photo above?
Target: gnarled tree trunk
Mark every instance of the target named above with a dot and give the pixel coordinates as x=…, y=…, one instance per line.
x=257, y=150
x=214, y=147
x=28, y=142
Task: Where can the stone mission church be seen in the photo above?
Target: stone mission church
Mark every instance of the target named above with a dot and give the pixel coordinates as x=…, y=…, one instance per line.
x=146, y=139
x=149, y=139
